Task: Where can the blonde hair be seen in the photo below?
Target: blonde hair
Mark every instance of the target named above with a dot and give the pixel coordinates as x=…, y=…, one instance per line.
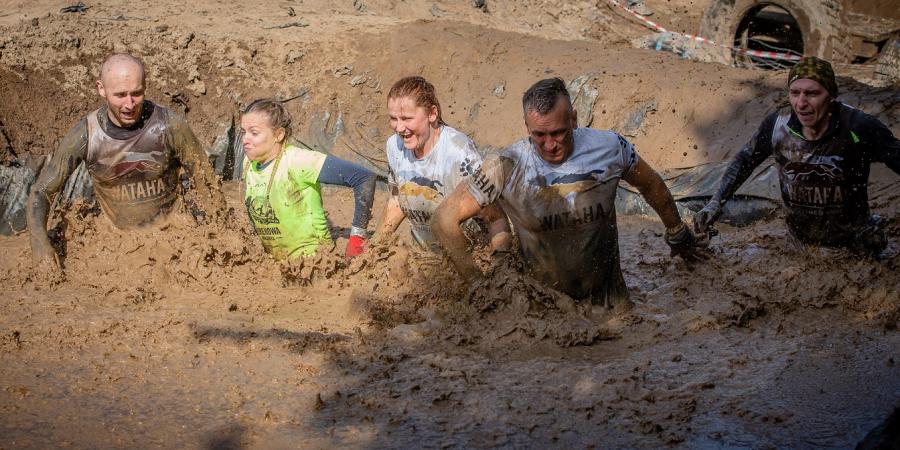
x=278, y=115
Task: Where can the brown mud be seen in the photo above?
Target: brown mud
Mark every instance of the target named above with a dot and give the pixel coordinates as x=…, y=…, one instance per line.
x=189, y=336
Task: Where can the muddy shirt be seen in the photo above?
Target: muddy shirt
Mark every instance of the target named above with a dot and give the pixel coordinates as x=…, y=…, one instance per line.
x=134, y=170
x=287, y=214
x=422, y=184
x=564, y=214
x=823, y=181
x=134, y=175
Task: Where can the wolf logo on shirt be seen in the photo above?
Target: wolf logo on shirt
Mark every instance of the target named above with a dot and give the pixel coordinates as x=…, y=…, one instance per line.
x=423, y=187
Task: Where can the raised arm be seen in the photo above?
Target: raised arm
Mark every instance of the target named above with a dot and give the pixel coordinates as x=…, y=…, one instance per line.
x=71, y=151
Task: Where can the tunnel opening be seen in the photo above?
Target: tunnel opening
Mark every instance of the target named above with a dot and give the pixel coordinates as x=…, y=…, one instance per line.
x=767, y=28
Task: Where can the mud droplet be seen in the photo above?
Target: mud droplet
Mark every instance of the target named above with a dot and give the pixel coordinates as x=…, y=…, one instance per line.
x=319, y=403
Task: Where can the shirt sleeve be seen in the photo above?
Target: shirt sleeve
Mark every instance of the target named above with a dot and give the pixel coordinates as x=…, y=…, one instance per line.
x=488, y=179
x=203, y=186
x=71, y=152
x=880, y=142
x=339, y=172
x=748, y=158
x=627, y=154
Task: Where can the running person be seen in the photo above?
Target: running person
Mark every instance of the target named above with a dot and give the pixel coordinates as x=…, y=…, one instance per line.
x=133, y=150
x=282, y=186
x=823, y=149
x=558, y=188
x=427, y=159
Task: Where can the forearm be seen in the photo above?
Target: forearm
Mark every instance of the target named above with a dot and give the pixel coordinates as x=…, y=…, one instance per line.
x=660, y=199
x=736, y=174
x=204, y=192
x=498, y=227
x=337, y=171
x=446, y=229
x=36, y=218
x=392, y=217
x=51, y=179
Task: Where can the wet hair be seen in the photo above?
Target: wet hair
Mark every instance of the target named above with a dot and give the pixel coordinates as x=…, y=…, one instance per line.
x=542, y=96
x=278, y=115
x=420, y=90
x=117, y=58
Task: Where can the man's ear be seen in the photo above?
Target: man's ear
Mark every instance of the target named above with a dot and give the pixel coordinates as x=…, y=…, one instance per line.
x=574, y=118
x=279, y=135
x=100, y=89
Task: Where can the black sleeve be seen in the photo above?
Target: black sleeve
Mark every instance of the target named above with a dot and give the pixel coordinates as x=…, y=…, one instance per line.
x=748, y=158
x=879, y=141
x=344, y=173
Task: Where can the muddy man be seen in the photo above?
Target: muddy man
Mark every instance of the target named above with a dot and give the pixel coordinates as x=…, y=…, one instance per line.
x=133, y=150
x=558, y=188
x=823, y=149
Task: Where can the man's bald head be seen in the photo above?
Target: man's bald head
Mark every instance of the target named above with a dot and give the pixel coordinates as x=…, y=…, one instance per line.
x=118, y=63
x=121, y=84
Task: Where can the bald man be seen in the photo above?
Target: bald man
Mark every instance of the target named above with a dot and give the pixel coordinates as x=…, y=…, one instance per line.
x=134, y=151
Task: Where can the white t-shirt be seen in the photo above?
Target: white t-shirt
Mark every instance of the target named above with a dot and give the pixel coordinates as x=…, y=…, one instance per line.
x=564, y=214
x=422, y=184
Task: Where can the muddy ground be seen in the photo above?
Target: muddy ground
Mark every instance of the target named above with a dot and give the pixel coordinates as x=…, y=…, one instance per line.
x=182, y=336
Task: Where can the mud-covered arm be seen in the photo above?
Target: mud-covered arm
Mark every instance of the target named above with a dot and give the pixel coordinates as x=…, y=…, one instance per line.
x=655, y=191
x=746, y=160
x=498, y=227
x=881, y=143
x=454, y=210
x=393, y=214
x=203, y=197
x=72, y=151
x=344, y=173
x=481, y=190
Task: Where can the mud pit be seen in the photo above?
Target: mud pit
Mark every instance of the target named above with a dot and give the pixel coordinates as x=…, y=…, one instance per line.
x=183, y=336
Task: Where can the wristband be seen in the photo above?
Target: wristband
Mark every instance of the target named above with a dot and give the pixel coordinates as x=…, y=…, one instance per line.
x=676, y=229
x=361, y=232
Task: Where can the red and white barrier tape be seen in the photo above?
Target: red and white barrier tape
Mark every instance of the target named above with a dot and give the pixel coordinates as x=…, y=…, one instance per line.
x=757, y=53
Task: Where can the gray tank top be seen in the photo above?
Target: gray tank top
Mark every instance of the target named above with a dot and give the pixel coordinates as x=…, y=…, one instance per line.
x=135, y=178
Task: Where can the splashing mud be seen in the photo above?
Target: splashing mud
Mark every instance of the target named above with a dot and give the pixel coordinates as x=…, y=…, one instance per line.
x=182, y=334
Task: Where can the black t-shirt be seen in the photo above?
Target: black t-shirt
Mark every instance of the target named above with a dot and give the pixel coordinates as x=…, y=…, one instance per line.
x=824, y=181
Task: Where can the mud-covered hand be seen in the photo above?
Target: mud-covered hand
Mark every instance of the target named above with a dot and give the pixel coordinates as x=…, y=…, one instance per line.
x=44, y=256
x=707, y=216
x=683, y=243
x=356, y=245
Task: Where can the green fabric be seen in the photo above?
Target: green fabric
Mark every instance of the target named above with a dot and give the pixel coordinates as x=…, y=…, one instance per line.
x=855, y=137
x=292, y=222
x=815, y=69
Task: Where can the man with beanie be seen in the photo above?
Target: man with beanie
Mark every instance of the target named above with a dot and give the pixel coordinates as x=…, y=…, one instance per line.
x=823, y=149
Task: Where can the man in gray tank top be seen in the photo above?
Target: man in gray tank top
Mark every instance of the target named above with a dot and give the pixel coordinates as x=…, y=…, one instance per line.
x=133, y=150
x=558, y=188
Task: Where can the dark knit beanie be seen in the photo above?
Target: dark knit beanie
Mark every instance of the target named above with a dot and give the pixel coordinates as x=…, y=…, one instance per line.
x=817, y=70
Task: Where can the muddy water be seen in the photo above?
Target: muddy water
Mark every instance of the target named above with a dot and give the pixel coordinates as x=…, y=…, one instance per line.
x=186, y=336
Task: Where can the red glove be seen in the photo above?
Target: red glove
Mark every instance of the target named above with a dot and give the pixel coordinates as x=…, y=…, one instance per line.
x=355, y=246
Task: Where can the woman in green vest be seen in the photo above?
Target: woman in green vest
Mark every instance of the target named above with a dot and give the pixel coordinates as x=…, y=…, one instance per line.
x=282, y=186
